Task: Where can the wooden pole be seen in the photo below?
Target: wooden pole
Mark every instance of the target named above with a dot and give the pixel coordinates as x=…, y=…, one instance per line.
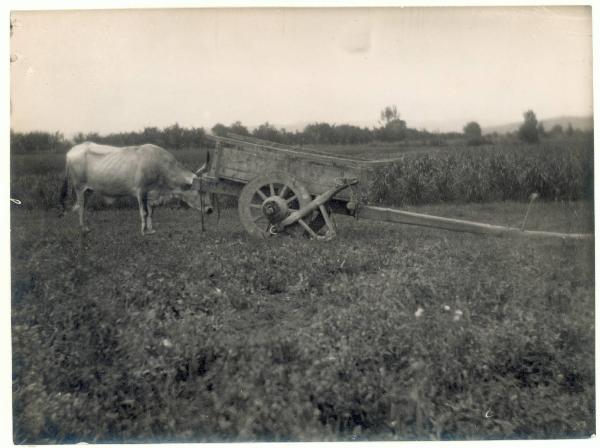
x=458, y=225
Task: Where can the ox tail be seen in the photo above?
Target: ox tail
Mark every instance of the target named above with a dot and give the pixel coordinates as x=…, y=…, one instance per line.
x=64, y=193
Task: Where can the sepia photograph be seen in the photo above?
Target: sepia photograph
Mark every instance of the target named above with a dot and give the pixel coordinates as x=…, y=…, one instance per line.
x=301, y=224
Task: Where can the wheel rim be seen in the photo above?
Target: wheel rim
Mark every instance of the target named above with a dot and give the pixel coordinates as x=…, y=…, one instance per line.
x=269, y=198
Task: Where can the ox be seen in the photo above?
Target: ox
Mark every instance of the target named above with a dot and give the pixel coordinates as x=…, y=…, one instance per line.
x=149, y=173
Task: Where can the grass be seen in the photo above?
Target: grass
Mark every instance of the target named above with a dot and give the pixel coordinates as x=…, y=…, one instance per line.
x=387, y=333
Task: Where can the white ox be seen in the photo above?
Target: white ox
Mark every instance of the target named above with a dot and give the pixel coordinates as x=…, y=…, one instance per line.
x=147, y=172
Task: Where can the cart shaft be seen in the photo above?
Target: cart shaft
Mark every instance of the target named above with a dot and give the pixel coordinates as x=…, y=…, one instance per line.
x=457, y=225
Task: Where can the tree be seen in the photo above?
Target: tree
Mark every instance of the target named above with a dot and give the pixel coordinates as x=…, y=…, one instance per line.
x=194, y=137
x=541, y=129
x=389, y=113
x=570, y=130
x=152, y=135
x=219, y=130
x=528, y=132
x=173, y=136
x=267, y=131
x=394, y=130
x=238, y=128
x=348, y=134
x=79, y=138
x=472, y=132
x=318, y=133
x=556, y=130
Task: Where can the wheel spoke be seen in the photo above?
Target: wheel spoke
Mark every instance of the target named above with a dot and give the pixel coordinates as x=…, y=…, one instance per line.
x=261, y=194
x=283, y=191
x=257, y=206
x=258, y=217
x=307, y=228
x=291, y=199
x=272, y=189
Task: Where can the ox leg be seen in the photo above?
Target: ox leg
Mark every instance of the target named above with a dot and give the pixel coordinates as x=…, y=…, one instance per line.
x=80, y=207
x=149, y=210
x=142, y=198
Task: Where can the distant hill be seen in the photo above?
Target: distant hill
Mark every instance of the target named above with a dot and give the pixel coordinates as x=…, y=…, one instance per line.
x=583, y=123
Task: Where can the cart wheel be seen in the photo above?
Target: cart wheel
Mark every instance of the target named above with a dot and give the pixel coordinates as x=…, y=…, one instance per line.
x=268, y=199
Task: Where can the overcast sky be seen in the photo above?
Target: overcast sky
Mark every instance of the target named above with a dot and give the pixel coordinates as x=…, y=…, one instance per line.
x=110, y=71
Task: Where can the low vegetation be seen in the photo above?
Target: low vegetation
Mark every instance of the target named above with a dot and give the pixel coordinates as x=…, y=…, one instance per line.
x=387, y=333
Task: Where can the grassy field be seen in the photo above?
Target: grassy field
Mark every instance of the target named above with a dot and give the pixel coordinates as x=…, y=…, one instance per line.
x=387, y=333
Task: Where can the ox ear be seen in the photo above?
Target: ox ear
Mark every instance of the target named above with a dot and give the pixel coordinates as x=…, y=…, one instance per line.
x=204, y=168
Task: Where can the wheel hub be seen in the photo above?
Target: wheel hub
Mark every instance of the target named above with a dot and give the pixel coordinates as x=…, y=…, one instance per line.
x=275, y=209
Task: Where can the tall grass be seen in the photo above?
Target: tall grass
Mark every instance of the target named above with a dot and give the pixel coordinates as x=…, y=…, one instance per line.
x=553, y=170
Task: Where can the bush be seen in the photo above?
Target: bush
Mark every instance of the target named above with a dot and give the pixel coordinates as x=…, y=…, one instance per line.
x=28, y=142
x=472, y=133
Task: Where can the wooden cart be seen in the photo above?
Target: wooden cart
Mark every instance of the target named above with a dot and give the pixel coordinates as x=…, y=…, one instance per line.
x=283, y=189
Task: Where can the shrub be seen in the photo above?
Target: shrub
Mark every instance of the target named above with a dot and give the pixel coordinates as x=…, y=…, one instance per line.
x=472, y=132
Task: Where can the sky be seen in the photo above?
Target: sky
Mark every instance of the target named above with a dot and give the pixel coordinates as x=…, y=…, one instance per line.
x=122, y=70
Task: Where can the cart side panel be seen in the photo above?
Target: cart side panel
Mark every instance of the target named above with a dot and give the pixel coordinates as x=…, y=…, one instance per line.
x=317, y=173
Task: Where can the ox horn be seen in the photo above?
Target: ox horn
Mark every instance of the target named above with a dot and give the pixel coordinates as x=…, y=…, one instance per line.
x=204, y=167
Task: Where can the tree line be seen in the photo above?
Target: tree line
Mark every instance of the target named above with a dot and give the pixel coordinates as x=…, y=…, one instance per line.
x=391, y=129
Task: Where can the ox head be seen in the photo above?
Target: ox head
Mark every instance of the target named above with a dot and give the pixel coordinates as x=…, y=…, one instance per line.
x=194, y=196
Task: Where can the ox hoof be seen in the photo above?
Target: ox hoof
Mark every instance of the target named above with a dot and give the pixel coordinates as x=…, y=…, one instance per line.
x=85, y=230
x=148, y=232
